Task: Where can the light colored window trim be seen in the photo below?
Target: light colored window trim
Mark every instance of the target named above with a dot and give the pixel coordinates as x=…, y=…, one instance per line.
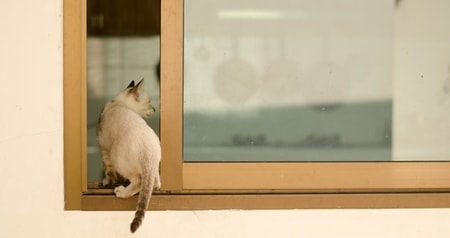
x=191, y=186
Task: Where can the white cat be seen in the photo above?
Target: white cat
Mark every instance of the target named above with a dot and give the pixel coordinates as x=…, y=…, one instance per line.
x=129, y=147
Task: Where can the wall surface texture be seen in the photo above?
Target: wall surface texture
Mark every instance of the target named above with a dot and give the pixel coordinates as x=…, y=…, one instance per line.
x=31, y=161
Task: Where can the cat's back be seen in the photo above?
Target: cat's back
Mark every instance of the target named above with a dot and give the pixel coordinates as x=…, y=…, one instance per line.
x=120, y=122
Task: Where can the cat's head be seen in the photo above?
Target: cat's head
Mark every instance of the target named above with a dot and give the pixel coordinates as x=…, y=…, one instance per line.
x=136, y=99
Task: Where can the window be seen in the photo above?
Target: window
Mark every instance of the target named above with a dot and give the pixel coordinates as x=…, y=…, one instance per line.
x=122, y=44
x=418, y=180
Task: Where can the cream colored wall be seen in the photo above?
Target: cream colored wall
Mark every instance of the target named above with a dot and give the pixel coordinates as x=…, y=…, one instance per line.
x=31, y=162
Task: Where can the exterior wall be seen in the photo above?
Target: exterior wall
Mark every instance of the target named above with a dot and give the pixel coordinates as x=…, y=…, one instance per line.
x=31, y=161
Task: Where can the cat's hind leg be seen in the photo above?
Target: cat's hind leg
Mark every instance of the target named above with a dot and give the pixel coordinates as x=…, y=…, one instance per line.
x=130, y=190
x=110, y=173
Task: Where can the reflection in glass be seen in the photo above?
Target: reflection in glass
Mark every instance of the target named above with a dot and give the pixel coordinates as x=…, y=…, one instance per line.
x=122, y=45
x=299, y=81
x=112, y=63
x=315, y=81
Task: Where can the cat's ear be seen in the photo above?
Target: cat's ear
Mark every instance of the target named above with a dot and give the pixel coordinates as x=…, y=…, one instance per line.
x=131, y=85
x=137, y=89
x=140, y=85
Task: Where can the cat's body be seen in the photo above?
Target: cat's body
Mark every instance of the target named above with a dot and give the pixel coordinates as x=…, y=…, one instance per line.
x=129, y=147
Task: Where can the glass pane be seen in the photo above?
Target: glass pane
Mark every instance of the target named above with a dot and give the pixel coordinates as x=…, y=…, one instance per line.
x=123, y=44
x=306, y=80
x=112, y=63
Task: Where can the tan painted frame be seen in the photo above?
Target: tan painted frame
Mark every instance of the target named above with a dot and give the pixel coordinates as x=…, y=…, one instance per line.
x=74, y=67
x=191, y=186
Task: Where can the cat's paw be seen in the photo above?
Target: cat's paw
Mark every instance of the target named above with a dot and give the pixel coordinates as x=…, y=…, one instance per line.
x=121, y=192
x=110, y=178
x=157, y=185
x=105, y=182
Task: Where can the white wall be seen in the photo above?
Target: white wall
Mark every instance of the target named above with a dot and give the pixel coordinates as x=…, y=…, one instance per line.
x=31, y=161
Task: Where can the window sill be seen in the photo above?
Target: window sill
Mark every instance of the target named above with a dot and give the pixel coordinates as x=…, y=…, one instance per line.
x=271, y=201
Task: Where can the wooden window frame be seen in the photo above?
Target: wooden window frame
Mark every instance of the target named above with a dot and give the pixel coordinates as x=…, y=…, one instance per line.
x=192, y=186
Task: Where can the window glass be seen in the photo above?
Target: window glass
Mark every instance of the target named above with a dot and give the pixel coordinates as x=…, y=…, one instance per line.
x=308, y=80
x=112, y=63
x=123, y=44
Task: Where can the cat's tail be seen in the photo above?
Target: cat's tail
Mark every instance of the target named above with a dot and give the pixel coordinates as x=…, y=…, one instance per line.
x=147, y=184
